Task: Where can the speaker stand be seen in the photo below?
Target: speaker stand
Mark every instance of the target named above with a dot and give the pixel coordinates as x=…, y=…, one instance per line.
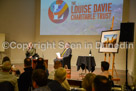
x=127, y=87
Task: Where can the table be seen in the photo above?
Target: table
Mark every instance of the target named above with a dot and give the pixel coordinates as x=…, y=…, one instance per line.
x=86, y=62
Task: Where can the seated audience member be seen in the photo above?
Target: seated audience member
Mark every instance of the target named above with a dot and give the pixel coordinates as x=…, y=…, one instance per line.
x=5, y=76
x=17, y=73
x=6, y=58
x=40, y=64
x=101, y=83
x=59, y=77
x=25, y=79
x=39, y=80
x=88, y=81
x=105, y=68
x=57, y=65
x=13, y=68
x=66, y=52
x=134, y=85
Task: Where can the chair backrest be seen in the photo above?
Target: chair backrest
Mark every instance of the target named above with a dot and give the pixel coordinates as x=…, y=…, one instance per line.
x=67, y=61
x=6, y=86
x=111, y=81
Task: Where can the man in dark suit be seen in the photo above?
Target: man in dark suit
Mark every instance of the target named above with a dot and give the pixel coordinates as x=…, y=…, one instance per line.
x=66, y=53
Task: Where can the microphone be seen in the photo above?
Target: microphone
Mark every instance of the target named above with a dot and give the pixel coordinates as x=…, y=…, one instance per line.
x=90, y=53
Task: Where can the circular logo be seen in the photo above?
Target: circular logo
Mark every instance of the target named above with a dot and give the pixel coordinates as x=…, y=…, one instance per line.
x=58, y=11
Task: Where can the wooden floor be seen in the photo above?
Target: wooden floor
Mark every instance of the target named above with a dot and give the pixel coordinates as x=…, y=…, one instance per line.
x=76, y=75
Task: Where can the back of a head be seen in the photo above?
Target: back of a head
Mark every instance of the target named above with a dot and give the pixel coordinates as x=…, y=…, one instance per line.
x=102, y=83
x=27, y=62
x=88, y=81
x=105, y=65
x=60, y=74
x=40, y=77
x=6, y=66
x=40, y=64
x=57, y=64
x=6, y=58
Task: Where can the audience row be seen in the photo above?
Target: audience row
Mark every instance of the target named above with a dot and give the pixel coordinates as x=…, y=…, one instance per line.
x=39, y=79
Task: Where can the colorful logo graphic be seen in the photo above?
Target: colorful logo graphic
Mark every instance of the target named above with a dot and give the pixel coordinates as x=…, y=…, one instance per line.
x=58, y=11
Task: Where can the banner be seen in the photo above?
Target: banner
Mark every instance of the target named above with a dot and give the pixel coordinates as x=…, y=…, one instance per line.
x=79, y=17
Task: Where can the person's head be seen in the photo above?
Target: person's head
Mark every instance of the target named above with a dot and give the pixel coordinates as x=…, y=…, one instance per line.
x=39, y=78
x=6, y=58
x=101, y=83
x=30, y=45
x=67, y=45
x=60, y=75
x=88, y=81
x=27, y=62
x=104, y=66
x=57, y=64
x=40, y=64
x=6, y=66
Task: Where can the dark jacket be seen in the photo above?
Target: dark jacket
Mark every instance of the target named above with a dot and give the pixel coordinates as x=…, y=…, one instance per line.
x=56, y=86
x=25, y=79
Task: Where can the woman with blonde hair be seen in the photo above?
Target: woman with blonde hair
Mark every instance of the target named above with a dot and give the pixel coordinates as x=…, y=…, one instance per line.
x=88, y=81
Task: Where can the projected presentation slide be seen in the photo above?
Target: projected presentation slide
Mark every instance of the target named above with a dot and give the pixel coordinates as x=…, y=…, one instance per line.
x=79, y=17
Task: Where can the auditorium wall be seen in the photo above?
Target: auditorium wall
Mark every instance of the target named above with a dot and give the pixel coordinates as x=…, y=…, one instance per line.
x=17, y=21
x=132, y=53
x=20, y=21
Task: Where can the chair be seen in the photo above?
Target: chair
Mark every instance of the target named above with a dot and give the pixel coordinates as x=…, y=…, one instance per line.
x=111, y=81
x=67, y=61
x=6, y=86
